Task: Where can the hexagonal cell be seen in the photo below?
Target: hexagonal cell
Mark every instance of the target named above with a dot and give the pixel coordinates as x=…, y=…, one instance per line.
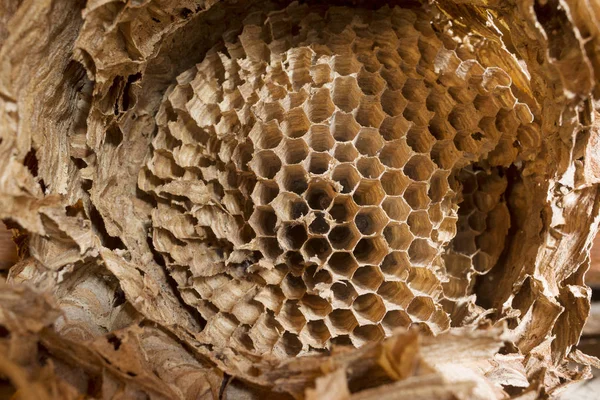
x=293, y=178
x=314, y=276
x=346, y=93
x=395, y=154
x=347, y=176
x=269, y=247
x=317, y=247
x=416, y=113
x=346, y=64
x=419, y=139
x=314, y=307
x=414, y=90
x=290, y=317
x=265, y=164
x=321, y=74
x=342, y=321
x=416, y=195
x=370, y=167
x=370, y=250
x=370, y=82
x=319, y=194
x=343, y=237
x=319, y=106
x=370, y=220
x=344, y=294
x=398, y=236
x=319, y=225
x=368, y=193
x=345, y=152
x=394, y=77
x=318, y=163
x=394, y=182
x=316, y=334
x=421, y=252
x=319, y=138
x=477, y=221
x=344, y=127
x=395, y=319
x=369, y=308
x=393, y=102
x=343, y=209
x=263, y=220
x=342, y=263
x=294, y=261
x=264, y=334
x=419, y=223
x=369, y=142
x=368, y=278
x=464, y=117
x=419, y=168
x=394, y=128
x=421, y=308
x=457, y=265
x=396, y=292
x=482, y=262
x=439, y=321
x=265, y=192
x=293, y=151
x=396, y=265
x=396, y=208
x=289, y=206
x=293, y=287
x=438, y=186
x=369, y=112
x=367, y=334
x=440, y=128
x=288, y=345
x=295, y=123
x=424, y=280
x=265, y=135
x=292, y=235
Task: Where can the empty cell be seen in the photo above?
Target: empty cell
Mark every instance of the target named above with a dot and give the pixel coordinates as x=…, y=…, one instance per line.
x=343, y=237
x=318, y=163
x=419, y=223
x=421, y=252
x=368, y=193
x=344, y=127
x=345, y=152
x=343, y=209
x=288, y=345
x=419, y=139
x=265, y=135
x=396, y=208
x=263, y=221
x=395, y=154
x=417, y=113
x=294, y=261
x=265, y=164
x=295, y=123
x=369, y=112
x=346, y=64
x=344, y=294
x=342, y=321
x=398, y=236
x=395, y=319
x=293, y=235
x=293, y=287
x=389, y=58
x=370, y=250
x=440, y=101
x=457, y=265
x=319, y=194
x=367, y=334
x=439, y=321
x=394, y=182
x=414, y=90
x=369, y=307
x=342, y=263
x=370, y=167
x=293, y=151
x=416, y=195
x=319, y=225
x=370, y=220
x=421, y=307
x=269, y=247
x=394, y=128
x=464, y=117
x=477, y=221
x=321, y=74
x=290, y=316
x=346, y=93
x=396, y=265
x=264, y=192
x=316, y=334
x=393, y=102
x=419, y=167
x=289, y=206
x=313, y=276
x=396, y=292
x=441, y=129
x=294, y=178
x=319, y=106
x=368, y=142
x=319, y=138
x=368, y=277
x=486, y=105
x=314, y=307
x=482, y=262
x=464, y=242
x=317, y=247
x=371, y=83
x=347, y=176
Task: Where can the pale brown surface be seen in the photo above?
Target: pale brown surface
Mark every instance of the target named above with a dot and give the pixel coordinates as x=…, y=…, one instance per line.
x=593, y=276
x=8, y=251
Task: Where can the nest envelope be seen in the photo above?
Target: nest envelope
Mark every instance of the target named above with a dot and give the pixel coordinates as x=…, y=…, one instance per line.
x=248, y=199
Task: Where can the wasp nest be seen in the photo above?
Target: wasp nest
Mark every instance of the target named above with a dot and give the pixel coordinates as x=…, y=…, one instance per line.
x=262, y=198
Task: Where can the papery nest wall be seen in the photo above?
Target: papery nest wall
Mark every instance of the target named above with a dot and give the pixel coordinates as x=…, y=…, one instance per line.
x=222, y=197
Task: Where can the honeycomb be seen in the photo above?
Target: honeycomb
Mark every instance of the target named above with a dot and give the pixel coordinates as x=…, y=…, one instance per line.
x=327, y=175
